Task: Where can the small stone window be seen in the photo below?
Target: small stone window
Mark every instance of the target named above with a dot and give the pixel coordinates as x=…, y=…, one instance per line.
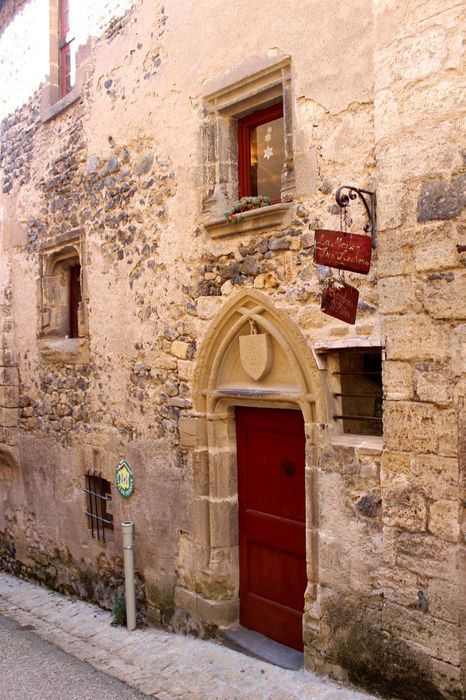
x=63, y=325
x=98, y=507
x=355, y=376
x=68, y=53
x=248, y=142
x=62, y=314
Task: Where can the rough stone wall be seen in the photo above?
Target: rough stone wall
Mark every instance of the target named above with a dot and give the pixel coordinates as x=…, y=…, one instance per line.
x=17, y=145
x=122, y=170
x=105, y=196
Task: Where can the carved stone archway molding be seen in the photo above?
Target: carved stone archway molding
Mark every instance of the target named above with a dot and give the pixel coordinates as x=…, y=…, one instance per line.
x=224, y=378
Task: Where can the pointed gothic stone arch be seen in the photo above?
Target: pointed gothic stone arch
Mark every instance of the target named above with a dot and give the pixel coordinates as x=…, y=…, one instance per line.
x=219, y=370
x=252, y=355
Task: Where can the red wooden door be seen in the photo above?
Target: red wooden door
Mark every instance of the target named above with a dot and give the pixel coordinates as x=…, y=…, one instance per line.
x=272, y=522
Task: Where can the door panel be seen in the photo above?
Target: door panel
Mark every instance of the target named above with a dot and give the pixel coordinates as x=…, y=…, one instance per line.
x=276, y=575
x=272, y=522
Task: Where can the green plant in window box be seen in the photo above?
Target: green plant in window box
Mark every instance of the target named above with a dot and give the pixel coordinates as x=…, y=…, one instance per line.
x=246, y=204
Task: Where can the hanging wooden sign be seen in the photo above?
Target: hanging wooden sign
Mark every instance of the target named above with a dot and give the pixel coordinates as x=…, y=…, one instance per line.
x=340, y=300
x=345, y=251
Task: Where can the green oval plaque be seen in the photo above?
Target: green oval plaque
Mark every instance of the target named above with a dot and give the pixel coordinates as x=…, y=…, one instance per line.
x=124, y=479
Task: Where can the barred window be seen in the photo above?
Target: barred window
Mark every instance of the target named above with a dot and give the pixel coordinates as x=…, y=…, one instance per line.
x=358, y=402
x=98, y=507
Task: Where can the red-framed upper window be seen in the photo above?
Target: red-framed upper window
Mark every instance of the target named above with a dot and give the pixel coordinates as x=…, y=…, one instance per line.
x=261, y=152
x=74, y=299
x=65, y=40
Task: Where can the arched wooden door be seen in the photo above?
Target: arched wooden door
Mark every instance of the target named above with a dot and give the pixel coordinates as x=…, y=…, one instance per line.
x=272, y=522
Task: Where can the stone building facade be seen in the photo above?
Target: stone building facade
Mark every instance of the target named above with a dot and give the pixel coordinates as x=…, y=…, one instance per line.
x=187, y=324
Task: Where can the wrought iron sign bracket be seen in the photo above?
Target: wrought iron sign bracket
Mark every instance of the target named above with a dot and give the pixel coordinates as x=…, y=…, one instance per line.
x=343, y=199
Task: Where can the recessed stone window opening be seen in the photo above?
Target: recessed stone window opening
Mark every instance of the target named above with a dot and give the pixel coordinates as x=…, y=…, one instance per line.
x=248, y=123
x=356, y=379
x=98, y=507
x=67, y=58
x=62, y=313
x=62, y=76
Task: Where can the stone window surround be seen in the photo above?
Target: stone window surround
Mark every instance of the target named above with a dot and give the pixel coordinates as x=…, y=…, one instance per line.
x=253, y=85
x=321, y=350
x=51, y=104
x=55, y=348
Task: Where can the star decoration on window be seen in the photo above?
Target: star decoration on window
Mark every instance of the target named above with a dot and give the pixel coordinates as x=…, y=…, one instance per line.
x=268, y=153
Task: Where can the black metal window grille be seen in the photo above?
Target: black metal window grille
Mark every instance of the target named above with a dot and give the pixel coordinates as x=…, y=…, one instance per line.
x=359, y=401
x=98, y=495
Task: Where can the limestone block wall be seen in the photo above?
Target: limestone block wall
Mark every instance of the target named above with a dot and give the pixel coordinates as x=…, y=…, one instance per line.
x=422, y=293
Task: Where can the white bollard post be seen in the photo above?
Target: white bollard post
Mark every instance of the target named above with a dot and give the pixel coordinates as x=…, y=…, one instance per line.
x=128, y=556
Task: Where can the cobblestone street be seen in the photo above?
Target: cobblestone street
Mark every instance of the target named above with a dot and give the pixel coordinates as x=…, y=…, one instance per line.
x=155, y=662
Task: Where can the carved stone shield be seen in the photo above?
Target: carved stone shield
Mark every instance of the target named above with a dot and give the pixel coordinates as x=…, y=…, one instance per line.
x=256, y=354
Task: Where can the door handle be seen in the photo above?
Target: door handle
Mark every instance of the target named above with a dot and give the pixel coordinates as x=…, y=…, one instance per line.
x=288, y=468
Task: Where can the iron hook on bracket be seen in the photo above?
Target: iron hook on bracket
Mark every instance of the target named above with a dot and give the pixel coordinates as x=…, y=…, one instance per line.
x=367, y=198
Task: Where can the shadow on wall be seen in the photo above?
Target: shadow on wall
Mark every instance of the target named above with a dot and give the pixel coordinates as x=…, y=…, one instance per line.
x=374, y=659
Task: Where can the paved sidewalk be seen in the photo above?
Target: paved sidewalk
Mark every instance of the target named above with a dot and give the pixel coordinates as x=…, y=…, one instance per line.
x=156, y=662
x=33, y=669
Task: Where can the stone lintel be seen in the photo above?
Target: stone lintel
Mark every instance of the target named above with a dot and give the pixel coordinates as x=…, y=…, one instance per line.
x=371, y=341
x=256, y=74
x=72, y=236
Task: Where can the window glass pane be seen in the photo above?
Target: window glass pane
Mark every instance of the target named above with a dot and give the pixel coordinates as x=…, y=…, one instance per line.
x=267, y=155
